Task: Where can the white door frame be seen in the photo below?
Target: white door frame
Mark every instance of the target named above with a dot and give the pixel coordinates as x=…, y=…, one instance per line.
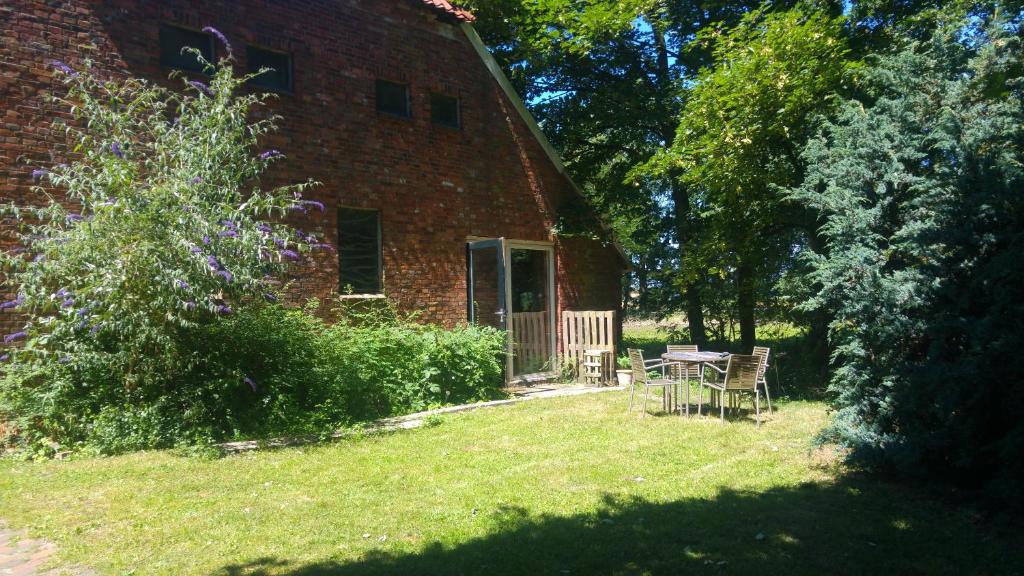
x=551, y=299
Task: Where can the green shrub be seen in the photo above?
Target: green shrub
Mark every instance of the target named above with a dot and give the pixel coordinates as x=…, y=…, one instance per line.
x=265, y=371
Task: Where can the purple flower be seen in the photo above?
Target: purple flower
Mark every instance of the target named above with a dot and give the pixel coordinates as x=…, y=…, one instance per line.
x=82, y=324
x=270, y=154
x=116, y=149
x=280, y=242
x=74, y=218
x=270, y=297
x=38, y=173
x=298, y=208
x=67, y=303
x=250, y=383
x=223, y=39
x=12, y=337
x=63, y=68
x=228, y=234
x=322, y=245
x=264, y=228
x=13, y=303
x=213, y=262
x=196, y=180
x=96, y=328
x=228, y=224
x=225, y=274
x=223, y=309
x=200, y=86
x=39, y=258
x=190, y=305
x=181, y=284
x=85, y=310
x=290, y=254
x=5, y=358
x=318, y=205
x=206, y=239
x=196, y=250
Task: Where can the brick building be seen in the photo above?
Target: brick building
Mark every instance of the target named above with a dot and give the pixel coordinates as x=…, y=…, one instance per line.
x=440, y=189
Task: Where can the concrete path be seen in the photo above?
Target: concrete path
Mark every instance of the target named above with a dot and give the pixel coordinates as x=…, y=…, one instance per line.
x=24, y=556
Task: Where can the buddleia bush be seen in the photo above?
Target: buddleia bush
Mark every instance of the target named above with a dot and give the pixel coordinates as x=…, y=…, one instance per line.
x=156, y=226
x=919, y=186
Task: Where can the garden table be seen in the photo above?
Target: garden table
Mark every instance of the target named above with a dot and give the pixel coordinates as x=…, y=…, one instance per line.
x=689, y=358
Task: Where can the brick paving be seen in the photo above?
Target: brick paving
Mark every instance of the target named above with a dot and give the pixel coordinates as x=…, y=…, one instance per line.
x=24, y=556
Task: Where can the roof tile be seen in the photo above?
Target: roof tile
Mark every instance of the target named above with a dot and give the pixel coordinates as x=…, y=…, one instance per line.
x=459, y=14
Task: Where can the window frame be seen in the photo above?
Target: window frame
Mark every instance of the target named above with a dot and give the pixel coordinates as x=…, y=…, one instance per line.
x=160, y=50
x=380, y=253
x=408, y=98
x=458, y=110
x=290, y=89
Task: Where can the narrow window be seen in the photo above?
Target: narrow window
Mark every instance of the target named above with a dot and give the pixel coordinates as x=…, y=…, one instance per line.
x=444, y=110
x=359, y=252
x=173, y=39
x=393, y=98
x=279, y=75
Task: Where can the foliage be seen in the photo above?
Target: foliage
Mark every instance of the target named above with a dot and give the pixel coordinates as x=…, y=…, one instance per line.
x=919, y=183
x=264, y=371
x=739, y=135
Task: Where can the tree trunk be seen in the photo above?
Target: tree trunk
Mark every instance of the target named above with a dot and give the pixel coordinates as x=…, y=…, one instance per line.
x=745, y=302
x=684, y=235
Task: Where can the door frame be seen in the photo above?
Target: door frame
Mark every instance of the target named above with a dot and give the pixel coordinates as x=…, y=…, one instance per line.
x=506, y=247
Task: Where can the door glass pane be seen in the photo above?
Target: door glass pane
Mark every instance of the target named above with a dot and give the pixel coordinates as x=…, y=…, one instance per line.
x=487, y=307
x=531, y=318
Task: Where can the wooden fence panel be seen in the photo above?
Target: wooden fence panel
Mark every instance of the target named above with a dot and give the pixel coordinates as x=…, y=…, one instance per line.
x=531, y=342
x=588, y=330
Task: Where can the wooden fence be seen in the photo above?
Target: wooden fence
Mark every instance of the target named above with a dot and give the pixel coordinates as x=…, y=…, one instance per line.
x=531, y=341
x=588, y=330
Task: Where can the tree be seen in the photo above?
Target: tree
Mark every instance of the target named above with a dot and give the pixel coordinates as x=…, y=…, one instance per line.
x=739, y=138
x=607, y=79
x=919, y=186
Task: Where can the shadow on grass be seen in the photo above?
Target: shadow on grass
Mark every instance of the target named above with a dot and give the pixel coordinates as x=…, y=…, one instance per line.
x=845, y=528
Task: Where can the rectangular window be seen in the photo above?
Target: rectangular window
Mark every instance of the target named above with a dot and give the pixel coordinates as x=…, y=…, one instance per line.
x=173, y=39
x=393, y=98
x=444, y=110
x=359, y=251
x=279, y=77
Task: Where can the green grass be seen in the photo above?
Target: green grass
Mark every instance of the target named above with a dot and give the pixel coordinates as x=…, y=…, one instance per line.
x=562, y=486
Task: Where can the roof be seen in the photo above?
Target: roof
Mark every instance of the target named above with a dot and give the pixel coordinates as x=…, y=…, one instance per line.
x=450, y=10
x=531, y=124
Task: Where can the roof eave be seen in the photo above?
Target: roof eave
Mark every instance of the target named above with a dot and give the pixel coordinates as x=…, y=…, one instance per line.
x=531, y=123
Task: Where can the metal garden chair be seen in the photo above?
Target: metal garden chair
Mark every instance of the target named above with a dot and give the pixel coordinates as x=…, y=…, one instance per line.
x=641, y=376
x=740, y=375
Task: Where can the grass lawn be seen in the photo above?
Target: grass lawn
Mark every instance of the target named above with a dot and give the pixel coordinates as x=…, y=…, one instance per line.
x=563, y=486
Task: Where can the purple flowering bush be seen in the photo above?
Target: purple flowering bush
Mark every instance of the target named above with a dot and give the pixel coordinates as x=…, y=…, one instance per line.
x=170, y=232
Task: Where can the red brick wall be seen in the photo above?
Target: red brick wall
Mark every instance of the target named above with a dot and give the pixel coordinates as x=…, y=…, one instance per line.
x=434, y=186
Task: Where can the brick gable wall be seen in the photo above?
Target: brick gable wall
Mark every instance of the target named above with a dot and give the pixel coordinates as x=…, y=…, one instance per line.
x=434, y=186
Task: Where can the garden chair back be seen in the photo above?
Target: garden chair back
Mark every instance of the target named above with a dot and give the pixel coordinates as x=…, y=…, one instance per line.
x=740, y=375
x=764, y=352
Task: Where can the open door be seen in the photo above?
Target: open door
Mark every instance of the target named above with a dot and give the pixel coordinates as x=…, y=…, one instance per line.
x=485, y=263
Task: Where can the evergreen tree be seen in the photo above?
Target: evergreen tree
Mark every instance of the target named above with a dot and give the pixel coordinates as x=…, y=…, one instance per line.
x=919, y=183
